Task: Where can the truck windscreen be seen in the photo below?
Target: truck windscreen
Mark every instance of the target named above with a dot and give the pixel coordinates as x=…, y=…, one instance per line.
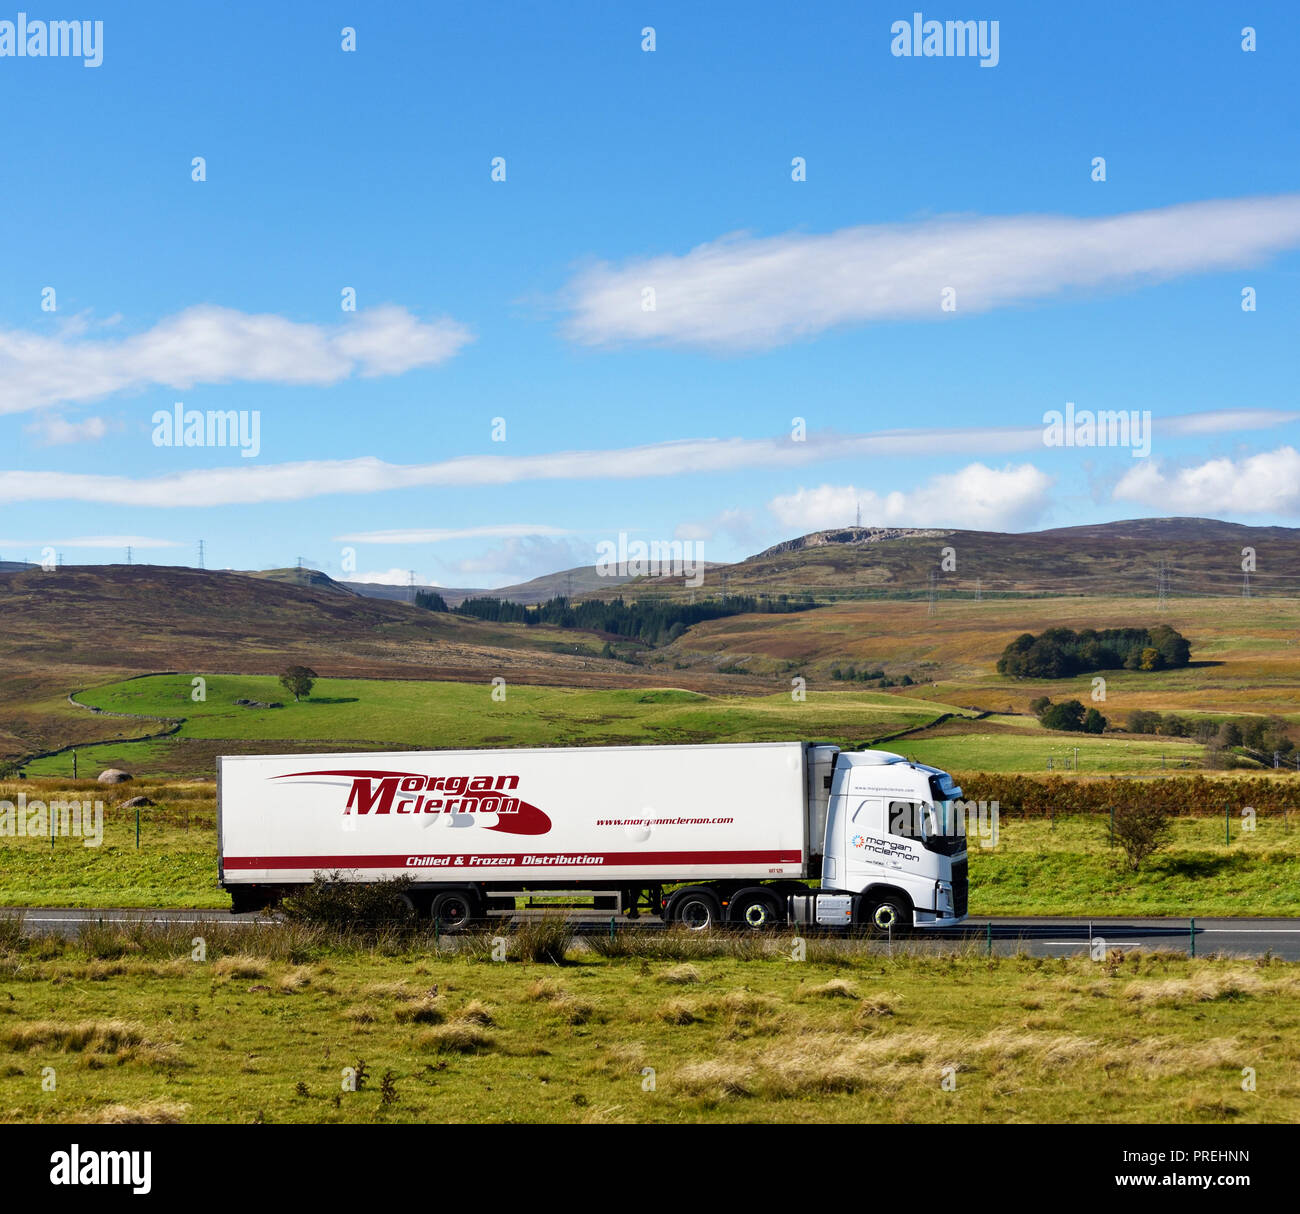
x=945, y=828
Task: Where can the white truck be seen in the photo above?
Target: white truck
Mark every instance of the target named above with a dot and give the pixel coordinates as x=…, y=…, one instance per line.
x=702, y=835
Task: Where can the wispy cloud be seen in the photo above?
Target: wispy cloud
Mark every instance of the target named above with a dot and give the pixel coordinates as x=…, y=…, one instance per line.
x=742, y=292
x=390, y=577
x=1265, y=483
x=51, y=430
x=733, y=522
x=437, y=535
x=974, y=498
x=93, y=541
x=212, y=345
x=317, y=478
x=523, y=557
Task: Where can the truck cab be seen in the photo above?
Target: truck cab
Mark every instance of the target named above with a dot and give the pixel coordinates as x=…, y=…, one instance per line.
x=894, y=843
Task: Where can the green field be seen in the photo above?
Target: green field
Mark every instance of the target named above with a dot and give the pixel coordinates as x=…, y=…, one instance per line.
x=348, y=714
x=1036, y=868
x=406, y=714
x=267, y=1026
x=1035, y=753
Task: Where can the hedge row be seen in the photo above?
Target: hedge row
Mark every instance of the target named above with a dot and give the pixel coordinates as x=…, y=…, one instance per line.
x=1195, y=796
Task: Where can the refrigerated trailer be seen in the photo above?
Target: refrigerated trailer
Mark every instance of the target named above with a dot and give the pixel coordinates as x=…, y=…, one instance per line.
x=703, y=835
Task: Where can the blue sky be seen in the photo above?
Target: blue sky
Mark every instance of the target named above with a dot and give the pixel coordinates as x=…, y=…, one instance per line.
x=522, y=299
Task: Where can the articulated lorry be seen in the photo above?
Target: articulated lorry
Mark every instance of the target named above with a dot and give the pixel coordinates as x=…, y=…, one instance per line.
x=702, y=835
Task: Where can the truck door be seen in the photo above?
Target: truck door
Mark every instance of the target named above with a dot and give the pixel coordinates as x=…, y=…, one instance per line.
x=884, y=837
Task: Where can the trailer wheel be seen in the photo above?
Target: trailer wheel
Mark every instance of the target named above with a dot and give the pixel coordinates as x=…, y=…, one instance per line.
x=453, y=910
x=697, y=909
x=890, y=914
x=755, y=909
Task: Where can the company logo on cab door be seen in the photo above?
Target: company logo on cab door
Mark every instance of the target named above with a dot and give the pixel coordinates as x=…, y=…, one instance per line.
x=401, y=792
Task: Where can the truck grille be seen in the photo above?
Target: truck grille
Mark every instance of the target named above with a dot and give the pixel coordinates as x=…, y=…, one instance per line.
x=960, y=886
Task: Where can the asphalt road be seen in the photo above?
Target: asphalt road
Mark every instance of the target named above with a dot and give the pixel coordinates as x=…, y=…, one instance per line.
x=1040, y=937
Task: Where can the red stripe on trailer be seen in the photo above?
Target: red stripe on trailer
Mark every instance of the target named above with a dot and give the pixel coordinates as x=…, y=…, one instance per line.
x=487, y=862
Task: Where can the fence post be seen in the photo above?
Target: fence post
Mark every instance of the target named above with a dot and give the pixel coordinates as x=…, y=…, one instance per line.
x=1112, y=826
x=989, y=938
x=1227, y=824
x=1193, y=943
x=137, y=828
x=611, y=927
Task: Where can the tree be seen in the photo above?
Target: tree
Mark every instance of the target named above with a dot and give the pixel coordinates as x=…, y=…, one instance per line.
x=1140, y=829
x=1094, y=722
x=1040, y=705
x=298, y=681
x=1067, y=715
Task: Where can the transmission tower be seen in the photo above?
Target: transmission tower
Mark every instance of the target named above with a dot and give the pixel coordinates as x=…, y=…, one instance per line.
x=128, y=555
x=201, y=565
x=411, y=586
x=1245, y=584
x=930, y=608
x=979, y=590
x=1161, y=584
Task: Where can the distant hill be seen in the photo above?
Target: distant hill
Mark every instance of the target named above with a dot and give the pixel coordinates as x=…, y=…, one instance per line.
x=303, y=577
x=402, y=594
x=1198, y=557
x=577, y=582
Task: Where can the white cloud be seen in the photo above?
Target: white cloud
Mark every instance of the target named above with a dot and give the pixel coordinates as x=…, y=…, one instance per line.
x=212, y=345
x=522, y=558
x=261, y=483
x=1266, y=483
x=976, y=498
x=390, y=577
x=739, y=524
x=437, y=535
x=52, y=430
x=741, y=292
x=94, y=541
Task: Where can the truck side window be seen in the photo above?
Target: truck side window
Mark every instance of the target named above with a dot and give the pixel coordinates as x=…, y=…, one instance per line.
x=905, y=819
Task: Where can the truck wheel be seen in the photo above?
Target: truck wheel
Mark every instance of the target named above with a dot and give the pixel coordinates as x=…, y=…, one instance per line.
x=699, y=910
x=755, y=909
x=452, y=910
x=889, y=914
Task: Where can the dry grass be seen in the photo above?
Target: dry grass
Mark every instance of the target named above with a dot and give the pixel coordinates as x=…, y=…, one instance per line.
x=421, y=1011
x=80, y=1037
x=836, y=988
x=681, y=975
x=151, y=1112
x=1200, y=988
x=475, y=1012
x=676, y=1011
x=458, y=1037
x=241, y=965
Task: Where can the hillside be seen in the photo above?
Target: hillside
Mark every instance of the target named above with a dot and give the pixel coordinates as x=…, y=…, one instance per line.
x=580, y=581
x=1200, y=557
x=78, y=626
x=301, y=577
